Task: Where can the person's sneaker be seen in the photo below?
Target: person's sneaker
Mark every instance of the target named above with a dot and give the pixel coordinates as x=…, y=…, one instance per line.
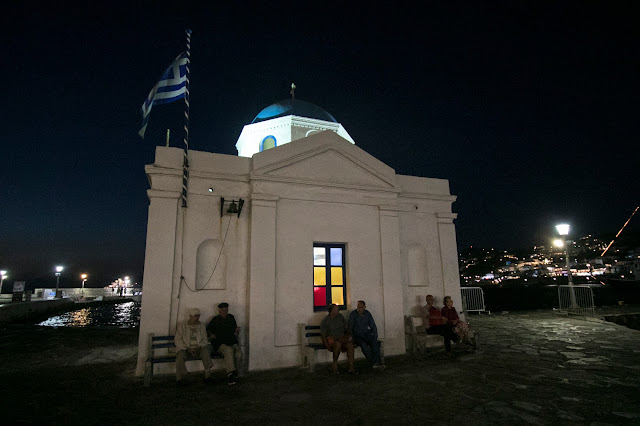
x=231, y=380
x=380, y=367
x=353, y=372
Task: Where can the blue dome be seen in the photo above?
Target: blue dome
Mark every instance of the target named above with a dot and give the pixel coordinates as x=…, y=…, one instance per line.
x=293, y=107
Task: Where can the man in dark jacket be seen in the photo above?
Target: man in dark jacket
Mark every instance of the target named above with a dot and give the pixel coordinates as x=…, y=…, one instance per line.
x=223, y=332
x=365, y=334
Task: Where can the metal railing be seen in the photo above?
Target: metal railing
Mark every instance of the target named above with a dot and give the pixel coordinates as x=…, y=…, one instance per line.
x=576, y=300
x=472, y=299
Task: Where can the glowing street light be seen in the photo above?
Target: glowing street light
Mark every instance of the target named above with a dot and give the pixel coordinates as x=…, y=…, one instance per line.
x=84, y=279
x=58, y=272
x=3, y=275
x=563, y=230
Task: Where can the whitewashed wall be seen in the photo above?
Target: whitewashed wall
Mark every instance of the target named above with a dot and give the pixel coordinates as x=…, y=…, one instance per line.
x=398, y=231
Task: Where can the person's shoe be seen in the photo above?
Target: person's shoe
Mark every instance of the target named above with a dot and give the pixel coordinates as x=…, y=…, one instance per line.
x=353, y=372
x=180, y=383
x=208, y=380
x=380, y=367
x=231, y=380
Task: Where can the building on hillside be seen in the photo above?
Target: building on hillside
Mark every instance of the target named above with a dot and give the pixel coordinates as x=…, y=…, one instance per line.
x=301, y=218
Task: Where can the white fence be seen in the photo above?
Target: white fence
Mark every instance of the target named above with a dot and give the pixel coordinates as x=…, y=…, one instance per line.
x=472, y=299
x=576, y=300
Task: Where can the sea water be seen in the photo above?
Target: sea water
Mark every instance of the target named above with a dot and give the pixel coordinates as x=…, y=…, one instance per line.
x=122, y=315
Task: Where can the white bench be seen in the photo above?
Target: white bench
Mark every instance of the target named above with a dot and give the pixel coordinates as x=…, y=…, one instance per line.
x=311, y=341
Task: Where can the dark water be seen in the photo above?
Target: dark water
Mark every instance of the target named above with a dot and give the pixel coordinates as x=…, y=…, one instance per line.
x=123, y=315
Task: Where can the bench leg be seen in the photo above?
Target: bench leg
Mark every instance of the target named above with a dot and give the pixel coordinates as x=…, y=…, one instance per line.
x=311, y=359
x=474, y=340
x=148, y=373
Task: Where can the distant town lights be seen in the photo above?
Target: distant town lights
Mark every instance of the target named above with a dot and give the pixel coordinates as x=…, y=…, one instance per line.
x=563, y=229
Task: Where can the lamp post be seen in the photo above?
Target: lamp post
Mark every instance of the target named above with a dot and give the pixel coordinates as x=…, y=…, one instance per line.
x=58, y=272
x=563, y=230
x=84, y=279
x=3, y=275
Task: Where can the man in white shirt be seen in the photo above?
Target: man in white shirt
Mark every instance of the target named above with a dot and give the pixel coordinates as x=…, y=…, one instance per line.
x=191, y=339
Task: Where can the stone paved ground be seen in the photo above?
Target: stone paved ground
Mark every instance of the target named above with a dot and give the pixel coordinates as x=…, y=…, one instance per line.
x=532, y=368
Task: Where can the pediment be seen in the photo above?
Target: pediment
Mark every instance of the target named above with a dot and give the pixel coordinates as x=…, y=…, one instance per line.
x=324, y=158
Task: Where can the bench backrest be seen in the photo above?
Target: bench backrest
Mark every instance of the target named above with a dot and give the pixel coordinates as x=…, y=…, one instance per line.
x=159, y=342
x=415, y=325
x=310, y=335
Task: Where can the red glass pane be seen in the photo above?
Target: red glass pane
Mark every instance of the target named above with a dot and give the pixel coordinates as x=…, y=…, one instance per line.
x=319, y=296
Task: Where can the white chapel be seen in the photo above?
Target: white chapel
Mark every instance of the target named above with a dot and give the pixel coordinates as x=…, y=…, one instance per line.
x=300, y=218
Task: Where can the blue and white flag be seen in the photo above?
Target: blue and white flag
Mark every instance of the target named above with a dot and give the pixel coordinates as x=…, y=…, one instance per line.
x=171, y=87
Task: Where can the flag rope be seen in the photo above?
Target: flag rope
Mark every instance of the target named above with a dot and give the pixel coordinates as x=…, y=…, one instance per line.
x=185, y=163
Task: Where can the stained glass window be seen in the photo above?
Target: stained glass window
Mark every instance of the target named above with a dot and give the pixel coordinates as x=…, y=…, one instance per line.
x=329, y=278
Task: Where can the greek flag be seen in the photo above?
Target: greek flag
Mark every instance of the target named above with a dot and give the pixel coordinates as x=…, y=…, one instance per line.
x=171, y=87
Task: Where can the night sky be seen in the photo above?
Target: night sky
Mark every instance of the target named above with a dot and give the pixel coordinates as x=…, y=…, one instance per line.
x=528, y=108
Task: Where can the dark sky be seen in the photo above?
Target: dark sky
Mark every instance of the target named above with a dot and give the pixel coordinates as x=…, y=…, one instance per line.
x=528, y=108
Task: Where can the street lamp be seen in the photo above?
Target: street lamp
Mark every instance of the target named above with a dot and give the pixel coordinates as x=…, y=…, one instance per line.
x=3, y=275
x=84, y=279
x=58, y=272
x=563, y=230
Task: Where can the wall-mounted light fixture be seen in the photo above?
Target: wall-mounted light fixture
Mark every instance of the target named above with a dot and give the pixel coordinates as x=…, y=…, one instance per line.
x=233, y=207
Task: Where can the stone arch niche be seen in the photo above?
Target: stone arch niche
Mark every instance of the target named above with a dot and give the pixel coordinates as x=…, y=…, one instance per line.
x=417, y=265
x=211, y=265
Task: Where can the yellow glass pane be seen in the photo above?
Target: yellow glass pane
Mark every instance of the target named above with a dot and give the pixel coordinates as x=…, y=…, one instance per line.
x=320, y=276
x=336, y=295
x=336, y=276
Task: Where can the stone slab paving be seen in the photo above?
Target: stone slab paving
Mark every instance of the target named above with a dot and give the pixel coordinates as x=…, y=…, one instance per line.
x=540, y=368
x=532, y=368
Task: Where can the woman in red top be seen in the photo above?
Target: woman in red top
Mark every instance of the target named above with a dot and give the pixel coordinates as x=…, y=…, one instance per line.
x=460, y=327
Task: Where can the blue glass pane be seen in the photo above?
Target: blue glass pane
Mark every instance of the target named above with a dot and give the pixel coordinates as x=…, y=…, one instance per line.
x=336, y=256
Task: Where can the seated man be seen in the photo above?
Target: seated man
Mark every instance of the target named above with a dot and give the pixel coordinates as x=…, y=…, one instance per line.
x=365, y=334
x=223, y=331
x=435, y=323
x=191, y=338
x=336, y=338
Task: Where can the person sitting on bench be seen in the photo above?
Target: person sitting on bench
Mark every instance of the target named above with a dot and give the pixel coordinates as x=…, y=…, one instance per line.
x=461, y=328
x=191, y=339
x=336, y=338
x=365, y=334
x=435, y=323
x=224, y=331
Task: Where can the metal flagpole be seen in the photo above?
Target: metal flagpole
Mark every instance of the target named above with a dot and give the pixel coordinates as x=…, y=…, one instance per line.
x=185, y=165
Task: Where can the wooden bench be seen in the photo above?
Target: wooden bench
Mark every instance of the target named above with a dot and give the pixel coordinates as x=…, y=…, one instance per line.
x=311, y=341
x=418, y=341
x=164, y=342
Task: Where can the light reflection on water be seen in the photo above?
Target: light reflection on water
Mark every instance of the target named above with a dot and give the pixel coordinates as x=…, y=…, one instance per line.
x=123, y=315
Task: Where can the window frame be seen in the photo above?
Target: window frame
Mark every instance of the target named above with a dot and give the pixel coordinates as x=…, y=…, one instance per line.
x=328, y=286
x=275, y=142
